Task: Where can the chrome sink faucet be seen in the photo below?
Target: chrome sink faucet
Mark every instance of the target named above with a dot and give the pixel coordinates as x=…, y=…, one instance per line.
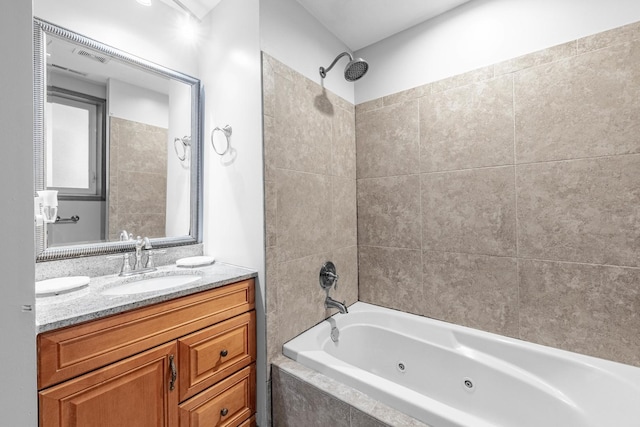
x=142, y=245
x=329, y=279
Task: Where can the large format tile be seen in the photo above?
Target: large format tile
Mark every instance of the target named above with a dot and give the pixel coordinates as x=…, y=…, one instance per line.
x=472, y=290
x=580, y=210
x=304, y=214
x=387, y=141
x=471, y=211
x=391, y=277
x=346, y=262
x=296, y=403
x=583, y=308
x=585, y=106
x=467, y=127
x=389, y=211
x=304, y=136
x=270, y=213
x=300, y=297
x=608, y=38
x=343, y=148
x=345, y=216
x=544, y=56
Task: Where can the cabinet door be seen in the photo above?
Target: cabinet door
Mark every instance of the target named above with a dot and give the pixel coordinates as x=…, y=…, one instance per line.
x=133, y=392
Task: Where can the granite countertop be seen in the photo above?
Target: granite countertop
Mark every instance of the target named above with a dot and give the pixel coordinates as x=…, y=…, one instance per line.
x=90, y=303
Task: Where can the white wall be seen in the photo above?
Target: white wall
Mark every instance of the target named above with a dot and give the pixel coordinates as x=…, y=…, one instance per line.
x=178, y=172
x=480, y=33
x=18, y=395
x=234, y=190
x=148, y=32
x=291, y=35
x=137, y=104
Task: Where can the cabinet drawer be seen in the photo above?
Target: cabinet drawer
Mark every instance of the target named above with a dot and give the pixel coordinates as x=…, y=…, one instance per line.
x=73, y=351
x=229, y=403
x=209, y=355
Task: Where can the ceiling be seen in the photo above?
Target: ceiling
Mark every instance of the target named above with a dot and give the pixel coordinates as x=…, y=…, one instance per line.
x=359, y=23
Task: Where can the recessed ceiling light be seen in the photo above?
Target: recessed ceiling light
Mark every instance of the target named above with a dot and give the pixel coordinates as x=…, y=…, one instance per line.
x=144, y=2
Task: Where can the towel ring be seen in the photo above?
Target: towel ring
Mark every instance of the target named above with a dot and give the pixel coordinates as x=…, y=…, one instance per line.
x=186, y=142
x=227, y=133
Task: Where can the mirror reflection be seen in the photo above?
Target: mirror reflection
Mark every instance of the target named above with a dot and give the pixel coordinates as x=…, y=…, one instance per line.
x=119, y=144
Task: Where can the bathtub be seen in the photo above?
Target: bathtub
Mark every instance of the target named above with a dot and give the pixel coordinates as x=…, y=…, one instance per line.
x=451, y=376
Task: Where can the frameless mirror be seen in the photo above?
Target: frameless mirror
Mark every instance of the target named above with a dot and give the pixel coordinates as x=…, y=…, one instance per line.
x=119, y=138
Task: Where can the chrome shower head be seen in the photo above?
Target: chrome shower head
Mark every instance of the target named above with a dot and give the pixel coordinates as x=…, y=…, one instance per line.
x=355, y=69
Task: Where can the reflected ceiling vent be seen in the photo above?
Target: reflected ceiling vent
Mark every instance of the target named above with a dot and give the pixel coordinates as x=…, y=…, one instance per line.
x=68, y=70
x=88, y=54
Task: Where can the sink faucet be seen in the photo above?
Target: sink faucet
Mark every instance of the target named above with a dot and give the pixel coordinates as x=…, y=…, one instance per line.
x=329, y=279
x=141, y=245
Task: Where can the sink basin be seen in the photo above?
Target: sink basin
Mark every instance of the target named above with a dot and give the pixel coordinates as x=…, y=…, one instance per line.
x=151, y=284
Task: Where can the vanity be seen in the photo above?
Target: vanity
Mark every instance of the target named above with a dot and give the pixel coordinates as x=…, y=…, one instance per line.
x=183, y=356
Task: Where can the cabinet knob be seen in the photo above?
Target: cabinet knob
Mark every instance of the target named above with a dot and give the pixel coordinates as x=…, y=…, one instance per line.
x=224, y=353
x=224, y=412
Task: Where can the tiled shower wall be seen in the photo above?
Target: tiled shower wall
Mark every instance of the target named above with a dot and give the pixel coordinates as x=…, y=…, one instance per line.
x=137, y=179
x=508, y=199
x=310, y=199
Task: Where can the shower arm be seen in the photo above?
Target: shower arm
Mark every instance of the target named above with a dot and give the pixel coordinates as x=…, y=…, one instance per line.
x=323, y=71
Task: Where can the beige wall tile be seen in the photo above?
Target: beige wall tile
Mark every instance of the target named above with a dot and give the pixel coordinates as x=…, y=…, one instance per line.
x=268, y=86
x=389, y=212
x=391, y=277
x=472, y=290
x=374, y=104
x=270, y=136
x=304, y=214
x=473, y=76
x=580, y=210
x=343, y=148
x=612, y=37
x=271, y=213
x=297, y=403
x=407, y=95
x=300, y=297
x=581, y=107
x=470, y=211
x=467, y=127
x=584, y=308
x=544, y=56
x=303, y=140
x=345, y=220
x=388, y=140
x=346, y=262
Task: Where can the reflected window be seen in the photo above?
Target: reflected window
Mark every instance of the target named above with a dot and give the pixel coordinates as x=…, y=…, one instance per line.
x=75, y=144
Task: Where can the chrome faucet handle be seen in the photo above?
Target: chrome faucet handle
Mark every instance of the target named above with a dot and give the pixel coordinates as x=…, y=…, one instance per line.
x=328, y=276
x=126, y=263
x=124, y=236
x=150, y=254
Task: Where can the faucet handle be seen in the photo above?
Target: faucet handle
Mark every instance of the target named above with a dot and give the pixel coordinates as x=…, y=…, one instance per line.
x=126, y=263
x=328, y=276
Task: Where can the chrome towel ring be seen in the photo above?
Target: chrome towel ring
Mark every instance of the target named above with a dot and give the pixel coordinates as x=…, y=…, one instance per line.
x=227, y=131
x=185, y=142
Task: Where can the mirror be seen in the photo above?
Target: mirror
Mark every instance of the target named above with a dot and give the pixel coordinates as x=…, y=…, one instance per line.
x=119, y=138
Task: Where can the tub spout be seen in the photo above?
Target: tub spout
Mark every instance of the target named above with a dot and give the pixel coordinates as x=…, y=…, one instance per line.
x=331, y=303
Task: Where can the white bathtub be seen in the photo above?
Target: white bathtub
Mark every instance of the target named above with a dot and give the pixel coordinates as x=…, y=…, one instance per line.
x=451, y=376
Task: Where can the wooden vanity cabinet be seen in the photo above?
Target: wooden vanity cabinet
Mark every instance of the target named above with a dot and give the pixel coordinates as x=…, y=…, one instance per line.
x=188, y=362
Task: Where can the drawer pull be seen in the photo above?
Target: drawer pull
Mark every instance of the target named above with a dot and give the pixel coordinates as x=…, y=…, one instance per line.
x=224, y=353
x=224, y=412
x=174, y=373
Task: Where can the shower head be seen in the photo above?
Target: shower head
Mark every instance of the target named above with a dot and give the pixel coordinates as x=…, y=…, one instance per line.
x=355, y=69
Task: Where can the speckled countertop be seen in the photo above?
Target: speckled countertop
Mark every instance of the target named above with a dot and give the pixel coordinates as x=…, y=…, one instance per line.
x=90, y=303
